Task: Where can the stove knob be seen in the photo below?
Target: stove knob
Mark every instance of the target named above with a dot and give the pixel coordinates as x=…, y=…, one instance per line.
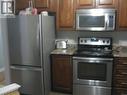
x=85, y=41
x=107, y=41
x=103, y=41
x=81, y=41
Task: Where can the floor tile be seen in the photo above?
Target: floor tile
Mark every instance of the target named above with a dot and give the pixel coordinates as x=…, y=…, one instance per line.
x=56, y=93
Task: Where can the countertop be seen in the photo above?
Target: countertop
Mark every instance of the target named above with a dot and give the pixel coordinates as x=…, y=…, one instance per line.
x=69, y=51
x=121, y=54
x=119, y=51
x=14, y=93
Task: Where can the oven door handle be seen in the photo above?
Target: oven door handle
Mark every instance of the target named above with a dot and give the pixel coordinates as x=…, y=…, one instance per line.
x=93, y=60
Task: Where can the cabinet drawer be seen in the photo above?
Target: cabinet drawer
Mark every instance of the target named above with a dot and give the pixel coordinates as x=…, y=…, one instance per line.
x=121, y=61
x=121, y=67
x=119, y=91
x=120, y=83
x=121, y=72
x=120, y=76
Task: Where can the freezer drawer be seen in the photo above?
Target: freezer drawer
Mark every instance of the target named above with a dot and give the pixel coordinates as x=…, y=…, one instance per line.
x=30, y=79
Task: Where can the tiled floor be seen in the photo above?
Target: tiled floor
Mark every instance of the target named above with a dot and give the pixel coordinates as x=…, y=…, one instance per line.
x=55, y=93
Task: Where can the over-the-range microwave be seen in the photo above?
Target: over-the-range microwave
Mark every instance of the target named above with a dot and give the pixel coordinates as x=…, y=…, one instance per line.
x=95, y=19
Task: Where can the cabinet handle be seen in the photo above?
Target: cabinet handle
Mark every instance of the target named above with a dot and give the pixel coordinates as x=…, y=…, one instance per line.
x=125, y=63
x=124, y=94
x=124, y=73
x=124, y=83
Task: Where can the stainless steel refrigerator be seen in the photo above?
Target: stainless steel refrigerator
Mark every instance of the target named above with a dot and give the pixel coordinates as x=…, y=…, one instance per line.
x=31, y=39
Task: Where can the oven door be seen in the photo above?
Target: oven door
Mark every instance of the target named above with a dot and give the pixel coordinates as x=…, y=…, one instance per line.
x=92, y=71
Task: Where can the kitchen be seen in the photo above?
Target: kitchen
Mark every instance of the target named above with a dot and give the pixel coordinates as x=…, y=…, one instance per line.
x=65, y=24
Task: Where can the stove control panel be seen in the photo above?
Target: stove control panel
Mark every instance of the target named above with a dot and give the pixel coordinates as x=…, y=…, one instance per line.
x=95, y=41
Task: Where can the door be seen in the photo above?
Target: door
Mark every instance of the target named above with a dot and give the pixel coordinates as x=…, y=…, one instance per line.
x=24, y=41
x=30, y=79
x=92, y=71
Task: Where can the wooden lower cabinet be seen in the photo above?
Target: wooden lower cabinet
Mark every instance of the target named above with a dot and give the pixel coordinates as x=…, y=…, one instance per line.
x=120, y=76
x=61, y=73
x=120, y=91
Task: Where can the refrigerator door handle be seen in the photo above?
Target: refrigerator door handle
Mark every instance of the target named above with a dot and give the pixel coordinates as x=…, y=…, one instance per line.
x=38, y=38
x=25, y=68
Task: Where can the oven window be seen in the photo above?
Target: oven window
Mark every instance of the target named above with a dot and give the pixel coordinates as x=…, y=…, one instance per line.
x=91, y=21
x=92, y=71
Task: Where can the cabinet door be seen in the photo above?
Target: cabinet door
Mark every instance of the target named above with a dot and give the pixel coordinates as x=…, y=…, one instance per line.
x=21, y=4
x=122, y=14
x=65, y=14
x=85, y=3
x=106, y=3
x=42, y=3
x=62, y=73
x=120, y=76
x=53, y=5
x=119, y=91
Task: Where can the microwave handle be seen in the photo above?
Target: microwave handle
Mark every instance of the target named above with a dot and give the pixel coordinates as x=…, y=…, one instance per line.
x=107, y=22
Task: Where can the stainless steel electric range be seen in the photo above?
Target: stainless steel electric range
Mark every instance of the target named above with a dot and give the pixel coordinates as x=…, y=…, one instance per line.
x=92, y=66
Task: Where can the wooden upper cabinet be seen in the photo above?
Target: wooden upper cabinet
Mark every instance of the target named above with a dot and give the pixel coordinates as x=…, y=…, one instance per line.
x=49, y=5
x=53, y=5
x=42, y=3
x=106, y=3
x=65, y=14
x=96, y=3
x=122, y=14
x=85, y=3
x=21, y=4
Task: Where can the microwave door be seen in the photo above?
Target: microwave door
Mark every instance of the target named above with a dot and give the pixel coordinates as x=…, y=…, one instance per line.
x=93, y=22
